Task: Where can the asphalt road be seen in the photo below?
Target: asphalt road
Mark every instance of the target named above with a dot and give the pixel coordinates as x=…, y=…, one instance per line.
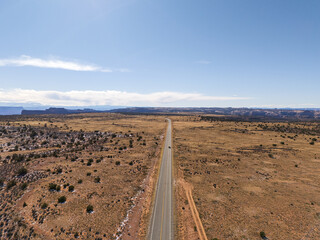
x=162, y=215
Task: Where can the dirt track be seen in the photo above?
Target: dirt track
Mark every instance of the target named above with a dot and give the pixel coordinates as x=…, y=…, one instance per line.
x=194, y=211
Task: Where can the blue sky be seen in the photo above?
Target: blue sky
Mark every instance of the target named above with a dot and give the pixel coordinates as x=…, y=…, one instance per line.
x=248, y=53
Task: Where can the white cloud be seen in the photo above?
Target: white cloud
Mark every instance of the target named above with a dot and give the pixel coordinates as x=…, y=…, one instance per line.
x=109, y=97
x=53, y=63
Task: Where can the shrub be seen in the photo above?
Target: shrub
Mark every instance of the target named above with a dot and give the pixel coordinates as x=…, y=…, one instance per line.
x=54, y=187
x=62, y=199
x=80, y=181
x=97, y=179
x=117, y=163
x=311, y=143
x=44, y=205
x=71, y=188
x=11, y=184
x=88, y=174
x=1, y=182
x=33, y=134
x=262, y=235
x=24, y=204
x=18, y=157
x=22, y=171
x=23, y=186
x=89, y=209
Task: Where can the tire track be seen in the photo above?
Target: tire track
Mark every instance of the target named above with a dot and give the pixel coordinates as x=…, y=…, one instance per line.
x=195, y=213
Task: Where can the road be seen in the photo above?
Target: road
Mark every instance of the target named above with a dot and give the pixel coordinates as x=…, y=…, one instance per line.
x=162, y=215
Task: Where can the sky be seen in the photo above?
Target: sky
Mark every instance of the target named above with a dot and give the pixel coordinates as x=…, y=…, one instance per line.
x=204, y=53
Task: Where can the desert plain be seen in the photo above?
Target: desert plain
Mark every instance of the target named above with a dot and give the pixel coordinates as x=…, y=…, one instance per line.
x=93, y=176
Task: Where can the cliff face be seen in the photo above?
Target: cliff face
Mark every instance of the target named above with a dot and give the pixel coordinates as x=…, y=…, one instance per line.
x=241, y=113
x=56, y=111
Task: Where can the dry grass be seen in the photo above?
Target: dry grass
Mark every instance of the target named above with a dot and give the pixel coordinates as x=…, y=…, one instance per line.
x=247, y=180
x=121, y=177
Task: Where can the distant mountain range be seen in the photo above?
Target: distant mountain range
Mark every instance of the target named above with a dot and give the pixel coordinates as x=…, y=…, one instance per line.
x=234, y=113
x=58, y=111
x=36, y=109
x=231, y=113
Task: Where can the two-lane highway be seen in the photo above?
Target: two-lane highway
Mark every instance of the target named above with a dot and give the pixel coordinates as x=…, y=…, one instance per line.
x=162, y=216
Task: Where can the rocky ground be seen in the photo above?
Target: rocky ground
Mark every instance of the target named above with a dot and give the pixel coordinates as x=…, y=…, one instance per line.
x=74, y=176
